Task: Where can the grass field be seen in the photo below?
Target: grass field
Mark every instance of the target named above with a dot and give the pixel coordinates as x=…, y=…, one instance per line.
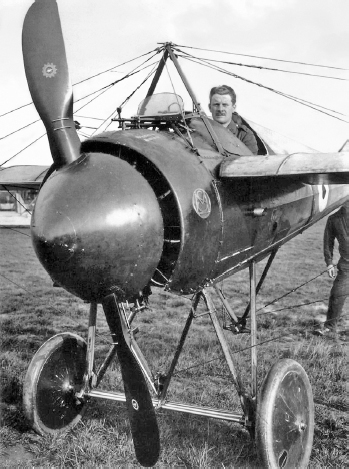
x=32, y=311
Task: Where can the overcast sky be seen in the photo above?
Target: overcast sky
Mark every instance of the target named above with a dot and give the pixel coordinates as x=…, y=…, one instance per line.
x=102, y=34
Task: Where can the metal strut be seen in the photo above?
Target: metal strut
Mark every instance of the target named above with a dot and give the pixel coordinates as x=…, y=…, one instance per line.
x=123, y=337
x=203, y=116
x=242, y=320
x=132, y=358
x=222, y=340
x=253, y=295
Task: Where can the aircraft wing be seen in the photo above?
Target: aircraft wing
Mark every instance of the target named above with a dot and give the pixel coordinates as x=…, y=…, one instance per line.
x=276, y=143
x=22, y=177
x=312, y=168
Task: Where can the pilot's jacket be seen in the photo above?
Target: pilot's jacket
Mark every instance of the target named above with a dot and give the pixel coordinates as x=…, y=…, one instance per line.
x=243, y=133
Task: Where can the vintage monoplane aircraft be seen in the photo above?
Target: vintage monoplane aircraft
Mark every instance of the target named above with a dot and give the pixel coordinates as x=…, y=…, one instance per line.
x=171, y=199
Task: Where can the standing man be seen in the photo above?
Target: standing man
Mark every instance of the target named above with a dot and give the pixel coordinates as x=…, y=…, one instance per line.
x=222, y=106
x=337, y=227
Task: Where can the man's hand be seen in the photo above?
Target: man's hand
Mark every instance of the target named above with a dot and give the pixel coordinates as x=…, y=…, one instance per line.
x=331, y=271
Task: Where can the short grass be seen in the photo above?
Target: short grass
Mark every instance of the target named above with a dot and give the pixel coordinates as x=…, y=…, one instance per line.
x=32, y=311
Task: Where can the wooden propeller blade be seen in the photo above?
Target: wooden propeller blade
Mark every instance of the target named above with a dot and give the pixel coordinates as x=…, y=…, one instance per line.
x=144, y=427
x=47, y=74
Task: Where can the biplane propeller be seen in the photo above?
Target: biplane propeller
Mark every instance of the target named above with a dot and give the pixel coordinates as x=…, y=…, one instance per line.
x=172, y=200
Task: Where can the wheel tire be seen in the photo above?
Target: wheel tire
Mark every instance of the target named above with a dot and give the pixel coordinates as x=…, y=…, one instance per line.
x=54, y=375
x=285, y=417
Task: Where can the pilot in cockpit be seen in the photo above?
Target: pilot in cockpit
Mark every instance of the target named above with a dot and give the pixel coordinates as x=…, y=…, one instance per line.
x=222, y=106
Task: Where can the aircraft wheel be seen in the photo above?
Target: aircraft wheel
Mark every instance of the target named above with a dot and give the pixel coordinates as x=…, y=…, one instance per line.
x=54, y=375
x=285, y=417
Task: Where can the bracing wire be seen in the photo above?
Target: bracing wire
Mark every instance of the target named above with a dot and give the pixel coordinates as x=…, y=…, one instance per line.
x=16, y=231
x=264, y=58
x=88, y=117
x=147, y=77
x=126, y=100
x=32, y=295
x=104, y=89
x=259, y=67
x=293, y=98
x=201, y=61
x=292, y=290
x=89, y=78
x=16, y=109
x=299, y=100
x=17, y=284
x=180, y=107
x=15, y=198
x=157, y=50
x=219, y=69
x=203, y=363
x=243, y=349
x=83, y=134
x=107, y=87
x=30, y=144
x=101, y=90
x=21, y=128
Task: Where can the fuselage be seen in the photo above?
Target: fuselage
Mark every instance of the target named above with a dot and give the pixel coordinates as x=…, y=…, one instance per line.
x=143, y=207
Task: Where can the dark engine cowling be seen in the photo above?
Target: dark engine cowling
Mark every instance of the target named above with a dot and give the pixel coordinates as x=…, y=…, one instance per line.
x=187, y=196
x=97, y=228
x=137, y=207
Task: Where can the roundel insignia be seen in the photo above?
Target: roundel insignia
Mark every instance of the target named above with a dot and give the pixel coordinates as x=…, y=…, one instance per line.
x=201, y=203
x=323, y=196
x=49, y=70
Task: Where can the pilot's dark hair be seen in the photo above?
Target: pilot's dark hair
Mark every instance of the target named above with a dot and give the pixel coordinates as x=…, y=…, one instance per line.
x=223, y=89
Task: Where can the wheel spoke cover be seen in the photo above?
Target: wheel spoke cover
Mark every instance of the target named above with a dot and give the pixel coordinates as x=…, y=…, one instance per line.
x=53, y=378
x=285, y=417
x=60, y=378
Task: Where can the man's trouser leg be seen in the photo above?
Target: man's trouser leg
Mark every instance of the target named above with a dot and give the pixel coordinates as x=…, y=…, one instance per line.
x=339, y=293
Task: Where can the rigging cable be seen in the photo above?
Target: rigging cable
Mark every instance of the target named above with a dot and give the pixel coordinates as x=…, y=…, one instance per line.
x=21, y=128
x=103, y=90
x=126, y=100
x=87, y=117
x=293, y=98
x=16, y=231
x=259, y=67
x=264, y=58
x=156, y=50
x=293, y=290
x=222, y=70
x=89, y=78
x=214, y=67
x=188, y=139
x=17, y=109
x=32, y=143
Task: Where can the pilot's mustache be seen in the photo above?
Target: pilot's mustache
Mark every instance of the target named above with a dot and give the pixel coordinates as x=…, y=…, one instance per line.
x=220, y=113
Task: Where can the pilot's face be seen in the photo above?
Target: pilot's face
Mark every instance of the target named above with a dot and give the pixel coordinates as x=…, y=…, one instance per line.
x=222, y=108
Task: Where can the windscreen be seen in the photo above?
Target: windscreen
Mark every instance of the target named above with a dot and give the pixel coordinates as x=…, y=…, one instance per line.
x=161, y=104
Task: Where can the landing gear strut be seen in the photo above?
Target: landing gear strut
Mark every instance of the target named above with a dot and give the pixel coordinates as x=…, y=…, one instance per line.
x=61, y=377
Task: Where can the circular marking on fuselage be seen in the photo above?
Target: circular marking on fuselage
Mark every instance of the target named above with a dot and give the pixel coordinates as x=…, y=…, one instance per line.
x=201, y=203
x=323, y=196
